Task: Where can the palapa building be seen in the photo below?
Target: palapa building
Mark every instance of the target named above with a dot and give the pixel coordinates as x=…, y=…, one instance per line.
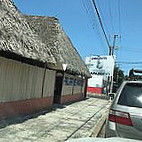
x=39, y=65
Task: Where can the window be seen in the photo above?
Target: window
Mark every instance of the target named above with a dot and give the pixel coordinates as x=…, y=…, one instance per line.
x=68, y=81
x=71, y=81
x=131, y=95
x=75, y=82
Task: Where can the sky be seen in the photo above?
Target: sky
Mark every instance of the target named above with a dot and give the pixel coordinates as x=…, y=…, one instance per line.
x=79, y=20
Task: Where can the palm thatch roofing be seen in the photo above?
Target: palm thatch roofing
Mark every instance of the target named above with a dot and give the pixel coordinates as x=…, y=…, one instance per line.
x=17, y=39
x=37, y=40
x=52, y=34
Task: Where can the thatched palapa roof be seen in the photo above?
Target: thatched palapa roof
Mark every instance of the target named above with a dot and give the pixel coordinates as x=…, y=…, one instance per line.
x=17, y=39
x=37, y=40
x=52, y=34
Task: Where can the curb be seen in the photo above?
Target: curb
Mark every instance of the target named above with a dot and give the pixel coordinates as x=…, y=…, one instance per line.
x=100, y=123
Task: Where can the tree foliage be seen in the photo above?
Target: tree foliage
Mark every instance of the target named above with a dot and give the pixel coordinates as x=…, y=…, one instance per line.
x=118, y=76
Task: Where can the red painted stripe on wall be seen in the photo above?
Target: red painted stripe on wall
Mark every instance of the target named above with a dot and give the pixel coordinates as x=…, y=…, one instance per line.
x=94, y=90
x=16, y=108
x=71, y=98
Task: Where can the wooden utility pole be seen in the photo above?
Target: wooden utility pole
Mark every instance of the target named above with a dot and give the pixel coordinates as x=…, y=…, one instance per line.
x=111, y=48
x=111, y=52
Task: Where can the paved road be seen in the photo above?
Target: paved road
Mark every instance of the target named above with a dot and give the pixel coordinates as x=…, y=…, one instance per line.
x=69, y=121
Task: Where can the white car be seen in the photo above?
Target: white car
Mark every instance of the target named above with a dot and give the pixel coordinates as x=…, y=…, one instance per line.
x=125, y=115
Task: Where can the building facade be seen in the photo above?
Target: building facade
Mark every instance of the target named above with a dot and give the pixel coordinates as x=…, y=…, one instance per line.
x=101, y=69
x=36, y=71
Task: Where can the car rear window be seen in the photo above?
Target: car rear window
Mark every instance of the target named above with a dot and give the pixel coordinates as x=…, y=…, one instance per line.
x=131, y=95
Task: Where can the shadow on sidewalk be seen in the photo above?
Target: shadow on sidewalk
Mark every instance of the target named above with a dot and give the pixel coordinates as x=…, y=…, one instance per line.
x=23, y=118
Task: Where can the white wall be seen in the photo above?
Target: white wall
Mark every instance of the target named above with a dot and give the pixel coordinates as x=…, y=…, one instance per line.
x=67, y=89
x=95, y=81
x=20, y=81
x=83, y=87
x=49, y=83
x=71, y=89
x=77, y=90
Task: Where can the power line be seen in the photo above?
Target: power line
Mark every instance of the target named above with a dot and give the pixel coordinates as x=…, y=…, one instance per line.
x=110, y=13
x=101, y=24
x=119, y=21
x=95, y=24
x=119, y=17
x=106, y=38
x=91, y=15
x=131, y=49
x=87, y=10
x=101, y=12
x=123, y=62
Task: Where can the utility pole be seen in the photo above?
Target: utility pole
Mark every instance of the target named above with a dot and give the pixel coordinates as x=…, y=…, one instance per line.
x=111, y=52
x=111, y=48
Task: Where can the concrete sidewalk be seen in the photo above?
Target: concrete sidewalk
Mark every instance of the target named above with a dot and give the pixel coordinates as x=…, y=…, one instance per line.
x=76, y=120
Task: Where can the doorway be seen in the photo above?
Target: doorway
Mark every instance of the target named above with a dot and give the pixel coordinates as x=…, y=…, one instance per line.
x=58, y=87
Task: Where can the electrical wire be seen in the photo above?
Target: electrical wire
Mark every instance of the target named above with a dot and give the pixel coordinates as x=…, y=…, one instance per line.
x=108, y=31
x=86, y=10
x=119, y=17
x=91, y=15
x=123, y=62
x=101, y=24
x=110, y=13
x=119, y=21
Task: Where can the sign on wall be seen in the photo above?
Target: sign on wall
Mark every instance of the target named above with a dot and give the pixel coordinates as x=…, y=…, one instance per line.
x=100, y=65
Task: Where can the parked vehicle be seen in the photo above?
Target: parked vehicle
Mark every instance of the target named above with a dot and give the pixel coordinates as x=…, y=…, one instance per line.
x=125, y=115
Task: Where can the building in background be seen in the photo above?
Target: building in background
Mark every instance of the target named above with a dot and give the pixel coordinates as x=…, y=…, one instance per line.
x=101, y=69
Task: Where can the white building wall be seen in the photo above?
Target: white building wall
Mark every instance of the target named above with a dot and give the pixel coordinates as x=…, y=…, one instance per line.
x=77, y=90
x=49, y=83
x=66, y=90
x=96, y=81
x=20, y=81
x=67, y=86
x=83, y=86
x=70, y=87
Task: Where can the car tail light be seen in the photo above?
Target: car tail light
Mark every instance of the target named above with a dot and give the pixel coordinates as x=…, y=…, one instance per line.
x=120, y=117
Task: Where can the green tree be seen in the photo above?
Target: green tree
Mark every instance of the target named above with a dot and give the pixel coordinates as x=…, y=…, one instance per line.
x=118, y=76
